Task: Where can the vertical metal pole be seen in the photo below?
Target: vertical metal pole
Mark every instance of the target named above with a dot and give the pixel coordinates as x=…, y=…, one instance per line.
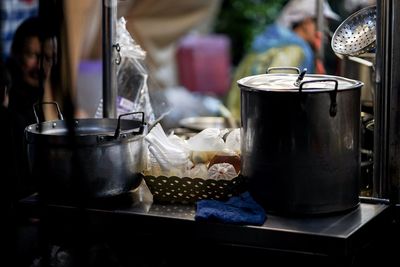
x=321, y=27
x=109, y=22
x=380, y=127
x=394, y=101
x=387, y=99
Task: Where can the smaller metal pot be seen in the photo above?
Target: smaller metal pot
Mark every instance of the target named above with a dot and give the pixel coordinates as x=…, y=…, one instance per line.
x=95, y=158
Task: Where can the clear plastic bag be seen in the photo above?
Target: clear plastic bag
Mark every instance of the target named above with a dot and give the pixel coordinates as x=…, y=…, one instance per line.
x=132, y=76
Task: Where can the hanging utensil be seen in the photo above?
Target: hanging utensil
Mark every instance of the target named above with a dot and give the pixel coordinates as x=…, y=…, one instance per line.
x=352, y=41
x=357, y=34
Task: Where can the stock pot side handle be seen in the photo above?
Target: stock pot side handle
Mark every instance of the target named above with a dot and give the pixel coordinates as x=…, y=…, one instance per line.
x=118, y=129
x=39, y=103
x=332, y=93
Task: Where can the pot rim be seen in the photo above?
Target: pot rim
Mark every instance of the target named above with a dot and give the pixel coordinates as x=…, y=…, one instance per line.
x=344, y=84
x=91, y=131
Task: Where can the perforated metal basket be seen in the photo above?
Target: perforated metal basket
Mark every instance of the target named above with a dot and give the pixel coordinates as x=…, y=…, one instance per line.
x=357, y=34
x=186, y=190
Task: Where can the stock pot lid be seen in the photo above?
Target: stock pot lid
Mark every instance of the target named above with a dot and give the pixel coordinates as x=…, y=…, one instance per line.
x=286, y=83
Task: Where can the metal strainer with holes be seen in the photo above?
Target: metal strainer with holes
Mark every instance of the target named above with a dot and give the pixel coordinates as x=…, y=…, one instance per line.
x=357, y=34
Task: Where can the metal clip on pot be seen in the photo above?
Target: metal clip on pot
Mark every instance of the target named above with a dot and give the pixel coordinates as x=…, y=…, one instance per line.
x=118, y=130
x=60, y=116
x=301, y=77
x=333, y=106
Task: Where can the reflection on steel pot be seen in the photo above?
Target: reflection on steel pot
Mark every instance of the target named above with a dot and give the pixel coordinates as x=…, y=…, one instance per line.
x=361, y=68
x=101, y=157
x=300, y=144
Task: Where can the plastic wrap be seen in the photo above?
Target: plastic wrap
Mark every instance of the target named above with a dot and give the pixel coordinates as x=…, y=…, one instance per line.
x=132, y=76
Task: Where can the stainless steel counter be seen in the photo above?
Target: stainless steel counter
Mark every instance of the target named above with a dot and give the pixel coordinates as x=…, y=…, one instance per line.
x=339, y=236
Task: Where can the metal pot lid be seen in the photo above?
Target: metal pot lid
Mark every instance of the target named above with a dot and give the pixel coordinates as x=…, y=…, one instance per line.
x=286, y=83
x=86, y=131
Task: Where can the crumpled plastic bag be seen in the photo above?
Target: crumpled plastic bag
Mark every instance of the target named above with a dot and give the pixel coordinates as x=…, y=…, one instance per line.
x=132, y=77
x=171, y=157
x=206, y=144
x=209, y=139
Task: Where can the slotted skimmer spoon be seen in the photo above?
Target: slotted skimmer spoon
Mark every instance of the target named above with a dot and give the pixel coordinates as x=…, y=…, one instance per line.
x=357, y=34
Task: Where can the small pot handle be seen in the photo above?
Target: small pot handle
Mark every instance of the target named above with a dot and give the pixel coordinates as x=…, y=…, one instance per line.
x=60, y=116
x=333, y=93
x=118, y=130
x=283, y=68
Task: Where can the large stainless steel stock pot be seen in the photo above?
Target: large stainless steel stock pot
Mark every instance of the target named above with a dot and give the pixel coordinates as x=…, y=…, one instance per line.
x=300, y=141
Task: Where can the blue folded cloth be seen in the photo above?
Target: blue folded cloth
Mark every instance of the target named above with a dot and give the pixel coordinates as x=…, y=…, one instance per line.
x=240, y=209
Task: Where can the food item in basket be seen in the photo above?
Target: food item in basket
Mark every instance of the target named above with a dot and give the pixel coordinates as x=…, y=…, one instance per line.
x=198, y=171
x=205, y=144
x=233, y=140
x=226, y=157
x=202, y=156
x=222, y=171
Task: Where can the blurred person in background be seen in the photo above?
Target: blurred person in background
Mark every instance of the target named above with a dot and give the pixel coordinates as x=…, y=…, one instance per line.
x=29, y=65
x=292, y=41
x=25, y=80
